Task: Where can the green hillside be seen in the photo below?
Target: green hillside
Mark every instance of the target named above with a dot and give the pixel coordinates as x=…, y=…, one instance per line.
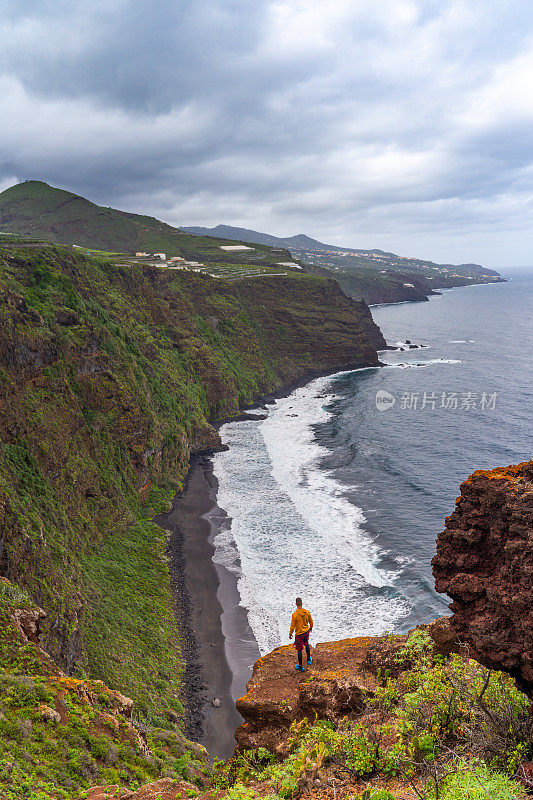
x=110, y=378
x=34, y=208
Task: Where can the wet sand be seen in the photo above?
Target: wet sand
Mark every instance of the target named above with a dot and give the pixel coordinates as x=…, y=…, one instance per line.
x=218, y=644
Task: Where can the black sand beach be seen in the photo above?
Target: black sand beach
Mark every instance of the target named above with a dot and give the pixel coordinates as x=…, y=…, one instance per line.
x=218, y=644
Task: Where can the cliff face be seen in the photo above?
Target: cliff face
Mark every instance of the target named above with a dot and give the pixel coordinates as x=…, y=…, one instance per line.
x=484, y=562
x=110, y=378
x=372, y=331
x=374, y=287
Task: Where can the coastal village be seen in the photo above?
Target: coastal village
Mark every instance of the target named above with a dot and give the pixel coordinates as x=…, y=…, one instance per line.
x=228, y=271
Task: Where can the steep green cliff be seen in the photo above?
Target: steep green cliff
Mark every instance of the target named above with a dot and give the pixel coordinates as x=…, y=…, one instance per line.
x=109, y=378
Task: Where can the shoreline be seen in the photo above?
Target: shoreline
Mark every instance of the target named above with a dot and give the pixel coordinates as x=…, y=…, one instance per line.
x=437, y=292
x=218, y=645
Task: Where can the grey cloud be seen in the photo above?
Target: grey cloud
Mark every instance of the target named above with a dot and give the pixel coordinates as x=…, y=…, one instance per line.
x=359, y=121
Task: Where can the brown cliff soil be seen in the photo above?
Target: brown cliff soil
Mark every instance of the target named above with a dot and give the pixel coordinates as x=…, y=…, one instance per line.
x=334, y=685
x=164, y=789
x=484, y=562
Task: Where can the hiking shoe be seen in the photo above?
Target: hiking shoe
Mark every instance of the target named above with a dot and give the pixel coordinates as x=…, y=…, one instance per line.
x=310, y=661
x=299, y=668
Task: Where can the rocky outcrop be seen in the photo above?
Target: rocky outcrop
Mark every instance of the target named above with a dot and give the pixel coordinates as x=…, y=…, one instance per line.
x=484, y=562
x=334, y=686
x=338, y=683
x=28, y=621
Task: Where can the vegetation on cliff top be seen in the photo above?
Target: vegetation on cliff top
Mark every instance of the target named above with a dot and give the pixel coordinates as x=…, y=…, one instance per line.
x=33, y=208
x=109, y=378
x=440, y=728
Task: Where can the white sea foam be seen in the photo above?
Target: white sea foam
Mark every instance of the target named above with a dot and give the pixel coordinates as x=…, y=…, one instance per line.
x=427, y=363
x=295, y=530
x=295, y=459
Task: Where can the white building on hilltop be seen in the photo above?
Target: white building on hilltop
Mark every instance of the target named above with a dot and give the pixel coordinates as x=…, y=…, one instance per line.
x=235, y=247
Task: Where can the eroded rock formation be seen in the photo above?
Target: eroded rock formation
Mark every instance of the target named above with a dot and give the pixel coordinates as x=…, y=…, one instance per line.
x=277, y=694
x=343, y=676
x=484, y=562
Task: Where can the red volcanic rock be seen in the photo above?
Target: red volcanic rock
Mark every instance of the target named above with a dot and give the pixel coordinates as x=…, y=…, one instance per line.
x=484, y=562
x=334, y=686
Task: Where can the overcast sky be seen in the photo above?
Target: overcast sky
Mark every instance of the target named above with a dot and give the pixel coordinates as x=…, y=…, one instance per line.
x=399, y=124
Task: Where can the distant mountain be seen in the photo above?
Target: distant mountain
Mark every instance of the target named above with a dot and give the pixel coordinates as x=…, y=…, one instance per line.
x=301, y=243
x=298, y=242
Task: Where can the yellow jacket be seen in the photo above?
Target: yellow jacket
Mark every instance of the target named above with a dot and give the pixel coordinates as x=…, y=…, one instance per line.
x=301, y=622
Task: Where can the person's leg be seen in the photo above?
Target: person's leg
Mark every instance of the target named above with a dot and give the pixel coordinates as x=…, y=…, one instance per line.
x=300, y=658
x=308, y=652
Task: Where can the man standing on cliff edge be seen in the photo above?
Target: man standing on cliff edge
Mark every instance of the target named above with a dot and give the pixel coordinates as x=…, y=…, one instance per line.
x=302, y=625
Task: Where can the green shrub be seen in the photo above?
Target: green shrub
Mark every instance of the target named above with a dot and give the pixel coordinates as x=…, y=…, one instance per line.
x=416, y=650
x=375, y=794
x=360, y=754
x=474, y=781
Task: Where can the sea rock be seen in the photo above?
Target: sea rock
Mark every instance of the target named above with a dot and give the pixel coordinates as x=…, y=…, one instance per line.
x=484, y=562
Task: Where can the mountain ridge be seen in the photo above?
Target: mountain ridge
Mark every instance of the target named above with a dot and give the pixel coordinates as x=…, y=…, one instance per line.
x=35, y=209
x=302, y=240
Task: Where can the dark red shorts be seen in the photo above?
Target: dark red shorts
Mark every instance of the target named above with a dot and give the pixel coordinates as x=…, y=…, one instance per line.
x=301, y=640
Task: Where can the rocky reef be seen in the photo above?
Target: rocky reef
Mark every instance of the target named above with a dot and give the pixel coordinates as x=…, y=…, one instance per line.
x=484, y=562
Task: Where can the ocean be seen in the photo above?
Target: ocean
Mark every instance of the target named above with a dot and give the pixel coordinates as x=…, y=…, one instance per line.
x=338, y=494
